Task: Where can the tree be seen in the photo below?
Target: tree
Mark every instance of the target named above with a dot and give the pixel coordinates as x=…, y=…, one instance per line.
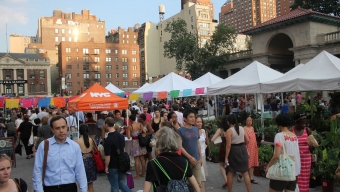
x=331, y=7
x=190, y=52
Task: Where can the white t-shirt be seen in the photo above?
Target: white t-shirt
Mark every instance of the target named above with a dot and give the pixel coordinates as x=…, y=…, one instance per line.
x=292, y=147
x=202, y=142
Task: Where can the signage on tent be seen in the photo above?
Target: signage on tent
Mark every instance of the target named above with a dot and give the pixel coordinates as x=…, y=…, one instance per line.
x=96, y=94
x=83, y=95
x=115, y=105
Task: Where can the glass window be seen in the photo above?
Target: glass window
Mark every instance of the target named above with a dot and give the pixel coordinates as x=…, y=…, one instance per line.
x=96, y=51
x=69, y=39
x=125, y=83
x=108, y=50
x=68, y=50
x=117, y=67
x=70, y=31
x=86, y=76
x=32, y=88
x=134, y=75
x=68, y=75
x=62, y=31
x=20, y=73
x=69, y=84
x=97, y=67
x=108, y=67
x=31, y=74
x=134, y=60
x=96, y=59
x=86, y=67
x=117, y=75
x=56, y=39
x=134, y=67
x=125, y=75
x=124, y=52
x=8, y=88
x=42, y=74
x=135, y=83
x=85, y=50
x=117, y=83
x=108, y=75
x=42, y=87
x=62, y=38
x=116, y=51
x=97, y=75
x=68, y=66
x=56, y=30
x=125, y=67
x=134, y=52
x=68, y=58
x=108, y=59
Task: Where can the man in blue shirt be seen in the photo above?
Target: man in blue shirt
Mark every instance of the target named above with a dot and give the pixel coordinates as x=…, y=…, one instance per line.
x=65, y=164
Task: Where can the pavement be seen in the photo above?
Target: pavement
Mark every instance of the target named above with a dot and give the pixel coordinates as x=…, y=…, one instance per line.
x=24, y=170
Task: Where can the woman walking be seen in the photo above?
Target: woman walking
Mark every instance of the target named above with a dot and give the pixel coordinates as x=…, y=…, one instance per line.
x=148, y=130
x=136, y=150
x=221, y=133
x=203, y=140
x=24, y=134
x=87, y=145
x=253, y=160
x=236, y=152
x=156, y=120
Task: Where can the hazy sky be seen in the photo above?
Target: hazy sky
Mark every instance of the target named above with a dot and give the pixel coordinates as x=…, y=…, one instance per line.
x=22, y=16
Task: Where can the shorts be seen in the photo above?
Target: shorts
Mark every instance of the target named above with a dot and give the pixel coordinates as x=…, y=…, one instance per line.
x=282, y=185
x=274, y=114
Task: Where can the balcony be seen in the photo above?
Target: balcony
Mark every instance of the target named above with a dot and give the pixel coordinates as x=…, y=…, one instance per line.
x=241, y=54
x=329, y=38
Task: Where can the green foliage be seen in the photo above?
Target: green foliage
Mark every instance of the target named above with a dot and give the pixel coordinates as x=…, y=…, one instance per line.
x=270, y=130
x=332, y=139
x=191, y=56
x=327, y=165
x=265, y=153
x=214, y=151
x=331, y=7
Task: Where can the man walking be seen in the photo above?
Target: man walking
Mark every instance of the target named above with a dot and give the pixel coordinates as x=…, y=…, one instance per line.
x=65, y=164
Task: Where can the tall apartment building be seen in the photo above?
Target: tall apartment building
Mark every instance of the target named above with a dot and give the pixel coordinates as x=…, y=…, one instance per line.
x=19, y=43
x=65, y=27
x=151, y=37
x=81, y=64
x=244, y=14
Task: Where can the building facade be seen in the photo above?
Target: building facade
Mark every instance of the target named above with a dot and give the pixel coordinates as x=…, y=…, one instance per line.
x=19, y=43
x=151, y=38
x=243, y=15
x=24, y=74
x=82, y=64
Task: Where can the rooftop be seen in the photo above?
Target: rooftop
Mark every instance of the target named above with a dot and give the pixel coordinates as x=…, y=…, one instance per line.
x=22, y=55
x=291, y=18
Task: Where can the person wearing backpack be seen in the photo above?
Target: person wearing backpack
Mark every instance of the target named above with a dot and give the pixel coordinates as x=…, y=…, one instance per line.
x=169, y=170
x=114, y=146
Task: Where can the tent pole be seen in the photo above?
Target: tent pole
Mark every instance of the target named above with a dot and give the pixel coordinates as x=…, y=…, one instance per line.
x=216, y=112
x=78, y=125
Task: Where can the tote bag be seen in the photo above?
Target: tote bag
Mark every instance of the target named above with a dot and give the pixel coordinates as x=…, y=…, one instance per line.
x=284, y=168
x=97, y=158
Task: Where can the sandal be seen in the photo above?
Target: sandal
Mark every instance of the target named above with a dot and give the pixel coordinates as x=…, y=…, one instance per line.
x=239, y=178
x=28, y=157
x=142, y=175
x=254, y=181
x=225, y=185
x=136, y=177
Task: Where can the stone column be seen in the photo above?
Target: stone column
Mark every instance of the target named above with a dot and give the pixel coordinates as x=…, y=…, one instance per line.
x=25, y=85
x=1, y=85
x=229, y=72
x=15, y=90
x=48, y=70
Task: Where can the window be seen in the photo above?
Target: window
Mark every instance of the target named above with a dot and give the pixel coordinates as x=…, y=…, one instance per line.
x=56, y=31
x=108, y=75
x=69, y=84
x=116, y=59
x=97, y=68
x=135, y=83
x=124, y=59
x=117, y=83
x=116, y=51
x=96, y=59
x=108, y=50
x=68, y=50
x=69, y=92
x=134, y=36
x=62, y=38
x=21, y=89
x=134, y=52
x=124, y=52
x=78, y=84
x=125, y=67
x=134, y=60
x=32, y=88
x=77, y=58
x=86, y=85
x=117, y=67
x=96, y=51
x=31, y=74
x=20, y=73
x=42, y=74
x=77, y=50
x=108, y=82
x=62, y=31
x=117, y=75
x=108, y=67
x=42, y=87
x=69, y=39
x=68, y=75
x=127, y=36
x=75, y=39
x=85, y=50
x=125, y=75
x=70, y=31
x=86, y=76
x=68, y=66
x=134, y=67
x=68, y=58
x=78, y=75
x=85, y=59
x=108, y=59
x=97, y=76
x=8, y=88
x=56, y=39
x=134, y=75
x=125, y=83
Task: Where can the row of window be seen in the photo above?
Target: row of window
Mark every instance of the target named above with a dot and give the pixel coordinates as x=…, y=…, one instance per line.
x=97, y=59
x=75, y=39
x=107, y=67
x=98, y=75
x=20, y=74
x=32, y=87
x=97, y=51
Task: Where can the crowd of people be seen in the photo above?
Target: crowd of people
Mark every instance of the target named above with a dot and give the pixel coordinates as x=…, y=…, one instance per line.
x=179, y=151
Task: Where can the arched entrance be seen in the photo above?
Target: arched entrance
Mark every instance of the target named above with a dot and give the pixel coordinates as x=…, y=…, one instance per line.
x=279, y=56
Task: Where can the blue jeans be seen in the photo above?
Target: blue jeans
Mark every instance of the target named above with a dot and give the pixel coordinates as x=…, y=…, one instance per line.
x=117, y=182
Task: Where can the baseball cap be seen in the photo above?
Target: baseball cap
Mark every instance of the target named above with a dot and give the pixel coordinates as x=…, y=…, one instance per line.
x=104, y=112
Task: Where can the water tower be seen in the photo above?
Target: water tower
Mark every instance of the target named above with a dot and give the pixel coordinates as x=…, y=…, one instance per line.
x=161, y=12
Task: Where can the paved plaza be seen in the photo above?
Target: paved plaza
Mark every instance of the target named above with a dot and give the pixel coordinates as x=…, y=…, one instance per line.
x=214, y=182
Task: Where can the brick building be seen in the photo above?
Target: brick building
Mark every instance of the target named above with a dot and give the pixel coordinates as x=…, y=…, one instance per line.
x=24, y=74
x=82, y=64
x=243, y=15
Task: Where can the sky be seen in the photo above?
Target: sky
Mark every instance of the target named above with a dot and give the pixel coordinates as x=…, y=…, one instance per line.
x=22, y=16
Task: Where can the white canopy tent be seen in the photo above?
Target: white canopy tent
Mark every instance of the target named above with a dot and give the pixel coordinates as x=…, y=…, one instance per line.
x=322, y=73
x=247, y=80
x=113, y=88
x=168, y=83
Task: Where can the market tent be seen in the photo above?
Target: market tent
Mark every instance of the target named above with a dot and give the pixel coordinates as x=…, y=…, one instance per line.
x=168, y=83
x=97, y=98
x=113, y=88
x=322, y=73
x=208, y=79
x=247, y=80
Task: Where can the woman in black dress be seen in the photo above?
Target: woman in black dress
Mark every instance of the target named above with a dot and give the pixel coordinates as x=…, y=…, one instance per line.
x=25, y=130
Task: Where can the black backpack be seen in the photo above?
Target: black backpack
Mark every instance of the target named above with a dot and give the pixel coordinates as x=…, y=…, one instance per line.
x=173, y=185
x=123, y=160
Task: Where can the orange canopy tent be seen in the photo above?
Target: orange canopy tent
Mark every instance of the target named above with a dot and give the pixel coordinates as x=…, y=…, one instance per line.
x=97, y=98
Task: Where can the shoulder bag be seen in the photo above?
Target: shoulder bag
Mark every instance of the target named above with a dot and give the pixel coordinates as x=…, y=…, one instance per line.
x=46, y=148
x=17, y=183
x=142, y=138
x=97, y=158
x=284, y=168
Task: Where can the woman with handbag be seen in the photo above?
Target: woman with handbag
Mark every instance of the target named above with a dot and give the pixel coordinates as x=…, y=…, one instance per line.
x=87, y=145
x=24, y=134
x=149, y=131
x=220, y=135
x=285, y=142
x=136, y=150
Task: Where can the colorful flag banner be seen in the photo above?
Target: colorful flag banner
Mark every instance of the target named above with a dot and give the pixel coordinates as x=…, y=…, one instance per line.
x=127, y=93
x=120, y=94
x=44, y=102
x=174, y=93
x=147, y=96
x=199, y=91
x=133, y=97
x=187, y=92
x=162, y=95
x=27, y=103
x=1, y=103
x=52, y=102
x=59, y=102
x=12, y=103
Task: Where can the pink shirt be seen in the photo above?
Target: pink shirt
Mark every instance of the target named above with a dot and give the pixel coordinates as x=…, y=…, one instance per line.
x=299, y=98
x=148, y=117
